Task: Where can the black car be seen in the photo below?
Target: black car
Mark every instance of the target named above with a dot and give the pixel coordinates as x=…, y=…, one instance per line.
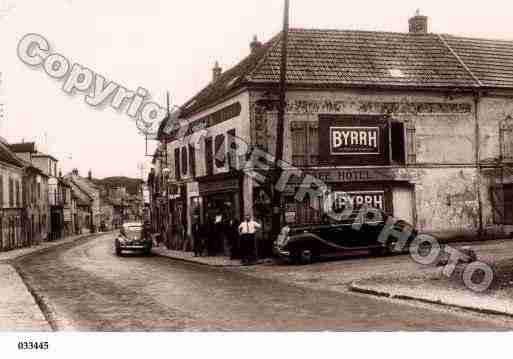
x=134, y=238
x=302, y=244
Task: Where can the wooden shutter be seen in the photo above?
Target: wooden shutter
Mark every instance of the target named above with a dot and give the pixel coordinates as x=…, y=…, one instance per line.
x=178, y=173
x=11, y=193
x=497, y=199
x=192, y=159
x=411, y=145
x=313, y=143
x=185, y=163
x=506, y=140
x=1, y=191
x=299, y=143
x=220, y=151
x=209, y=160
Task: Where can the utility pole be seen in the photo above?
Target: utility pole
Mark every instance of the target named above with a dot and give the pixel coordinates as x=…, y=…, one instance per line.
x=276, y=203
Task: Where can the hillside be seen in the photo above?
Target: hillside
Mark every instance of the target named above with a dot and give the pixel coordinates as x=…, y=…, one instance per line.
x=131, y=184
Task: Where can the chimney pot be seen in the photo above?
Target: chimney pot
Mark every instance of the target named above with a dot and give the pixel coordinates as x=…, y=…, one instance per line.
x=418, y=23
x=216, y=72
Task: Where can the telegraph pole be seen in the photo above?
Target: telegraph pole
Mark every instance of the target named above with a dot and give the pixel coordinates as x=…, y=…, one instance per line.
x=276, y=203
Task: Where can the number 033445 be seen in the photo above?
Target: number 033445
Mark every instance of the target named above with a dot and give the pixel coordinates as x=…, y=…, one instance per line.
x=33, y=345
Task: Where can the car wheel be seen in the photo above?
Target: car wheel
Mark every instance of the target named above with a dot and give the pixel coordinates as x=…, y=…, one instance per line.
x=302, y=256
x=118, y=251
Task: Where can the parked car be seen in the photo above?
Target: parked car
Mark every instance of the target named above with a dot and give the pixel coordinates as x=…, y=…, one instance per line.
x=302, y=244
x=134, y=238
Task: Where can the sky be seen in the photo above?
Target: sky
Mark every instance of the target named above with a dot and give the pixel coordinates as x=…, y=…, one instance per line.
x=165, y=45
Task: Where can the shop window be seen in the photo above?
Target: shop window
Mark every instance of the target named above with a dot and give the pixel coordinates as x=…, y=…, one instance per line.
x=184, y=162
x=177, y=164
x=209, y=156
x=220, y=151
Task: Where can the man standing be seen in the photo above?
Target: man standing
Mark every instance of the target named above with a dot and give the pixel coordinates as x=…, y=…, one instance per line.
x=247, y=230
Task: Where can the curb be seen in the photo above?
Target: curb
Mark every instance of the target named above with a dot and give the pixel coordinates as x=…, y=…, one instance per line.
x=369, y=291
x=55, y=244
x=216, y=265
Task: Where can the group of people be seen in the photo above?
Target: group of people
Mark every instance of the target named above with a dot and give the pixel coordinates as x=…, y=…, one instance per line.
x=241, y=238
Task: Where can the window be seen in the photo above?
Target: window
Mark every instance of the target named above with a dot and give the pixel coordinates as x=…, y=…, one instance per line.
x=220, y=151
x=1, y=190
x=398, y=142
x=232, y=149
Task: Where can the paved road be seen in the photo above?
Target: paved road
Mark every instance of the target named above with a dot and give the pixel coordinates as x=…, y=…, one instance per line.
x=86, y=287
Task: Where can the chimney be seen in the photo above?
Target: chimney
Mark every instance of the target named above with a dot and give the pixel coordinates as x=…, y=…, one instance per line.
x=418, y=24
x=255, y=44
x=216, y=72
x=90, y=175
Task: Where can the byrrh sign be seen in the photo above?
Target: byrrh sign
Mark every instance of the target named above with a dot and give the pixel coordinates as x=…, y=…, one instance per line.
x=354, y=140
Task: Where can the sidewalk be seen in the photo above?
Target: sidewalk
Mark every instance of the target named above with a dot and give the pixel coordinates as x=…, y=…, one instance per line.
x=217, y=261
x=20, y=252
x=438, y=289
x=19, y=311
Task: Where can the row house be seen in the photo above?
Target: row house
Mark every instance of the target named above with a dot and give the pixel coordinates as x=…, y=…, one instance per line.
x=416, y=123
x=12, y=216
x=88, y=201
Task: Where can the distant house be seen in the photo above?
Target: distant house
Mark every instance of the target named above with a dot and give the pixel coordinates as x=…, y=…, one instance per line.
x=12, y=220
x=91, y=200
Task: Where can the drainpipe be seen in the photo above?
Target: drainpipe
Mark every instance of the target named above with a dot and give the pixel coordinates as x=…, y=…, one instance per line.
x=477, y=100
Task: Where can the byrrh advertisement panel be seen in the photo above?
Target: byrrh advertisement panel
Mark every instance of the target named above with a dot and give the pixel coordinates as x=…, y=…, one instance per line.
x=353, y=140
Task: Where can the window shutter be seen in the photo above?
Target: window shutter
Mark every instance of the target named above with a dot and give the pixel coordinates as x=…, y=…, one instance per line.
x=11, y=193
x=313, y=143
x=185, y=163
x=506, y=139
x=192, y=158
x=209, y=159
x=1, y=191
x=178, y=173
x=299, y=143
x=411, y=145
x=497, y=199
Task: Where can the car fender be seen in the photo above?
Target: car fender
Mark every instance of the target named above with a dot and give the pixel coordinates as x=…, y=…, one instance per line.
x=312, y=238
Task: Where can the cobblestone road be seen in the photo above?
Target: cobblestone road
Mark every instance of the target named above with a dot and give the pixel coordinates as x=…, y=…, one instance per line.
x=86, y=287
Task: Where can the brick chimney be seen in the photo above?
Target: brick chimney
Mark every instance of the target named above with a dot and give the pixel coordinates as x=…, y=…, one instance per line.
x=216, y=72
x=418, y=24
x=255, y=44
x=90, y=175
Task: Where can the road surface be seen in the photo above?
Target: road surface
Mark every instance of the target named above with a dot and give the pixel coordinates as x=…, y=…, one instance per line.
x=85, y=287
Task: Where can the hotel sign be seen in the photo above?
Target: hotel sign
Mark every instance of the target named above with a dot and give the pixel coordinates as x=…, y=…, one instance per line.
x=354, y=140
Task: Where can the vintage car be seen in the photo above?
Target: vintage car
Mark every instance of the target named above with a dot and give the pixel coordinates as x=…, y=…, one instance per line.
x=302, y=244
x=134, y=238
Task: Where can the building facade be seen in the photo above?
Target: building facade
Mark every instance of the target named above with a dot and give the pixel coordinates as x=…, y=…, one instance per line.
x=417, y=124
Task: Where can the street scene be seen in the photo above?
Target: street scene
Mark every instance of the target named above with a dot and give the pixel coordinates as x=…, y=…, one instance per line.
x=255, y=167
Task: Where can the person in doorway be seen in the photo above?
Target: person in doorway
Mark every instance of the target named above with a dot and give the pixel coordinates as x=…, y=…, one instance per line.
x=247, y=231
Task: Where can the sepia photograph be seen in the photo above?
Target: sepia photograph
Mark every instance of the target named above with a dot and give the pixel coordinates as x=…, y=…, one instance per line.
x=305, y=175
